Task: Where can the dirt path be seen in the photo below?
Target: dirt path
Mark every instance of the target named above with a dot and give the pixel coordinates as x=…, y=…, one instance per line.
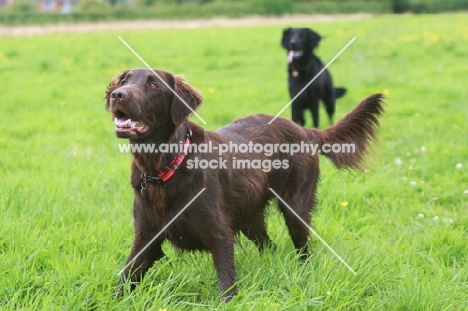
x=173, y=24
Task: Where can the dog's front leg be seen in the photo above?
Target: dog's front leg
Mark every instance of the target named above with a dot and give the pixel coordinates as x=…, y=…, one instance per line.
x=144, y=252
x=223, y=259
x=140, y=261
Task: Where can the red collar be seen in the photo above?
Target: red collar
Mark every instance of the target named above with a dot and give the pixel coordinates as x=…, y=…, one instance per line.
x=166, y=173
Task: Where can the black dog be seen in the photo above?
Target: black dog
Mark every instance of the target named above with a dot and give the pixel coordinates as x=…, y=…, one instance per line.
x=303, y=67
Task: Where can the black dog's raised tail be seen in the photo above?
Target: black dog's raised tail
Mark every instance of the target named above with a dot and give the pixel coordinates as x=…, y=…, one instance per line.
x=339, y=92
x=354, y=134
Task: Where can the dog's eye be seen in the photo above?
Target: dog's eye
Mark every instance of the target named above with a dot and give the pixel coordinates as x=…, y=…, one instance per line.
x=153, y=85
x=123, y=82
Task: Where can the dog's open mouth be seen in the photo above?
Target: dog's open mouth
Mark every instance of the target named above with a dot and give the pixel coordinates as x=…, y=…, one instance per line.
x=292, y=54
x=126, y=125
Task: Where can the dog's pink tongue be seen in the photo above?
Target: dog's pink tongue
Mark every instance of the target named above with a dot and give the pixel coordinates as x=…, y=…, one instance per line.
x=290, y=56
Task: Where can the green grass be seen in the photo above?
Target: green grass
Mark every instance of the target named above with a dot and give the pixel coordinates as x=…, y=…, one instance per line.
x=66, y=203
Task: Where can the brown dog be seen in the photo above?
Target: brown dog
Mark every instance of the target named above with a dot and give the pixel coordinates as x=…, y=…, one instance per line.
x=146, y=111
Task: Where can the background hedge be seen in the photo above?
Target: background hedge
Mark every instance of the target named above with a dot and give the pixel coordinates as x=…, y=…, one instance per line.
x=23, y=12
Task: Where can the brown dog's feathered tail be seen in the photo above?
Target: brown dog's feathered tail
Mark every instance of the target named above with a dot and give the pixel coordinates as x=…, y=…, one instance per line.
x=349, y=140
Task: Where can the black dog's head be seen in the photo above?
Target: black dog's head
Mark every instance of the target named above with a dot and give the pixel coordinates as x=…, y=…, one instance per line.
x=142, y=103
x=299, y=42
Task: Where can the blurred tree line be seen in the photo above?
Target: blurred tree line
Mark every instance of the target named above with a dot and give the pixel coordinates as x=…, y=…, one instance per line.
x=26, y=11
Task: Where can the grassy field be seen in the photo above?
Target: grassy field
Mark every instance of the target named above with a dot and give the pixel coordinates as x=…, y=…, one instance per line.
x=402, y=225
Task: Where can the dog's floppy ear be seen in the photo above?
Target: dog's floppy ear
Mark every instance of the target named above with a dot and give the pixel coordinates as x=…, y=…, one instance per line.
x=313, y=38
x=113, y=84
x=185, y=93
x=285, y=38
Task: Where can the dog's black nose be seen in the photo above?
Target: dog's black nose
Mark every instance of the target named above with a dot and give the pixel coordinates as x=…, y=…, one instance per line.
x=119, y=94
x=294, y=45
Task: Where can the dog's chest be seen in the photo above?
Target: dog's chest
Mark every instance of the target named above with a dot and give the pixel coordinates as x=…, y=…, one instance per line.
x=297, y=74
x=293, y=71
x=300, y=79
x=182, y=231
x=300, y=71
x=182, y=235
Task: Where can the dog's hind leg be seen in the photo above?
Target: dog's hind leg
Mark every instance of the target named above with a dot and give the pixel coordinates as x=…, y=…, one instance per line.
x=256, y=232
x=297, y=229
x=222, y=250
x=300, y=198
